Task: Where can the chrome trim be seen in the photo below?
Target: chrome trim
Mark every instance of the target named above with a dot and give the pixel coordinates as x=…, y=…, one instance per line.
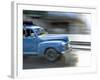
x=66, y=51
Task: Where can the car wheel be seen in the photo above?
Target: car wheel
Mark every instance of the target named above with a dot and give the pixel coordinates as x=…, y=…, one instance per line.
x=51, y=55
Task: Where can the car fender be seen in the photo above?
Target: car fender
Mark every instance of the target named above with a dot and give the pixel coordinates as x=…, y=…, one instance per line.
x=57, y=45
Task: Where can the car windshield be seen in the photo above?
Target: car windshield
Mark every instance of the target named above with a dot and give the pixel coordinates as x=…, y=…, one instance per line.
x=41, y=31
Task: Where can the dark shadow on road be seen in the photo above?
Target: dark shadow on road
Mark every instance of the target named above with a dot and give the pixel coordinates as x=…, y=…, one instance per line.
x=34, y=62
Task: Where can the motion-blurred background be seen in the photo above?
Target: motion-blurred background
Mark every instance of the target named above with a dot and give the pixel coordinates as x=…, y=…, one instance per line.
x=59, y=22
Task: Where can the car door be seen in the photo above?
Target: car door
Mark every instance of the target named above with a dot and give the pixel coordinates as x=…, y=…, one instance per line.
x=29, y=41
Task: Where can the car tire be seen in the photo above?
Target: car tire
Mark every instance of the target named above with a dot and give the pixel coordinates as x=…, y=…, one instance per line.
x=51, y=55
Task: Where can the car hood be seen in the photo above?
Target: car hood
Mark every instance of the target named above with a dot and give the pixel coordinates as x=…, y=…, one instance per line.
x=50, y=37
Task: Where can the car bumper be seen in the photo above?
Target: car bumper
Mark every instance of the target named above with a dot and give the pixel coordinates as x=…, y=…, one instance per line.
x=66, y=51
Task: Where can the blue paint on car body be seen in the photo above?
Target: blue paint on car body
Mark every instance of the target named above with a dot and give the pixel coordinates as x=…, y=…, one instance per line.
x=36, y=41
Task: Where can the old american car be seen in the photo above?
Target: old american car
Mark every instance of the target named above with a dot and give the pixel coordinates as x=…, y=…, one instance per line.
x=36, y=41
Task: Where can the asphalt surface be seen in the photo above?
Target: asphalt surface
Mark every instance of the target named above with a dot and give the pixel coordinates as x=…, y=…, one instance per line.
x=75, y=58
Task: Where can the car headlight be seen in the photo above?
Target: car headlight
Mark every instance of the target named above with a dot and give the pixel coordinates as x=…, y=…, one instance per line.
x=67, y=46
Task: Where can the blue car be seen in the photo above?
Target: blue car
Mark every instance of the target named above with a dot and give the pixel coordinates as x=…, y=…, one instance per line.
x=36, y=41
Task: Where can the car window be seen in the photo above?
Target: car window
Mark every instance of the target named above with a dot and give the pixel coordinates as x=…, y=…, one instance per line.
x=28, y=32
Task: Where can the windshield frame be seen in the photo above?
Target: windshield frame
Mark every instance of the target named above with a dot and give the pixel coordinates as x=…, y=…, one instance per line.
x=40, y=31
